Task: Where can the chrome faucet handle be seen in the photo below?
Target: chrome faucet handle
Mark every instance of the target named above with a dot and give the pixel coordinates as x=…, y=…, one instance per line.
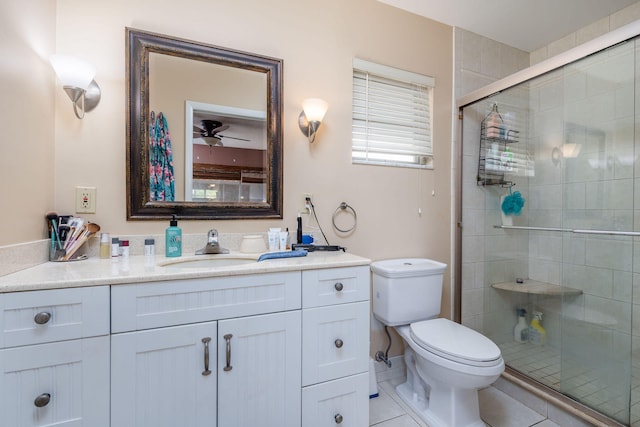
x=212, y=246
x=212, y=236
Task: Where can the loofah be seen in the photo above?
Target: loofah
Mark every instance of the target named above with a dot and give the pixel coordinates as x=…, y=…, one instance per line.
x=512, y=204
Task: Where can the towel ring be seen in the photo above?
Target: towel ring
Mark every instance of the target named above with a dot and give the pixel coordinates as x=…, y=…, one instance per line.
x=343, y=207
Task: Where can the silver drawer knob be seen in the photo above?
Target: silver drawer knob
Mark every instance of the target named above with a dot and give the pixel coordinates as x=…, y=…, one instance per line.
x=339, y=286
x=338, y=343
x=42, y=400
x=338, y=419
x=42, y=318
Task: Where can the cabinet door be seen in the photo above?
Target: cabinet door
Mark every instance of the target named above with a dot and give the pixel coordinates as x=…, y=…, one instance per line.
x=159, y=377
x=336, y=341
x=343, y=402
x=259, y=371
x=62, y=384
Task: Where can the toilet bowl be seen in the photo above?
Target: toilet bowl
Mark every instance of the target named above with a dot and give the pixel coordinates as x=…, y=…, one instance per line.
x=445, y=392
x=446, y=362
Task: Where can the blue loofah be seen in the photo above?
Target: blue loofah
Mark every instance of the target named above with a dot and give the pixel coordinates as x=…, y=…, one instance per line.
x=512, y=204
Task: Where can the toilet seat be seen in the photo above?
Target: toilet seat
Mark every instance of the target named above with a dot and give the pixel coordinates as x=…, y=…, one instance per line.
x=455, y=342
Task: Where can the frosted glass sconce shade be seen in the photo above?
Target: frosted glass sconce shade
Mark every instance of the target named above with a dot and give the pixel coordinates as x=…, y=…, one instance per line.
x=310, y=119
x=76, y=76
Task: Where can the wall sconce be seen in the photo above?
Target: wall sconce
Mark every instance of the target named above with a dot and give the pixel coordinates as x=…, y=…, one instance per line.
x=76, y=76
x=310, y=119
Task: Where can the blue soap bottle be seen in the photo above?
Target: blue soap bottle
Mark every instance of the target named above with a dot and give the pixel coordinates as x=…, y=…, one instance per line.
x=173, y=239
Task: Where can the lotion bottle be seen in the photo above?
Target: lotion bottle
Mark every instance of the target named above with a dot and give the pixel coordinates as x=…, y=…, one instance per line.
x=521, y=330
x=173, y=239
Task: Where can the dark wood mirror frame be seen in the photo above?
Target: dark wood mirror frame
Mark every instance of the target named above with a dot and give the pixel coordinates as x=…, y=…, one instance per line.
x=139, y=207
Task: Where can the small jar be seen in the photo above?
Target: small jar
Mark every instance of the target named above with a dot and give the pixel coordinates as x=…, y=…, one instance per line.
x=124, y=248
x=115, y=247
x=149, y=247
x=105, y=246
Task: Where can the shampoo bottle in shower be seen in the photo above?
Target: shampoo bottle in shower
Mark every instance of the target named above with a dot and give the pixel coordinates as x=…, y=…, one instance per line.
x=493, y=123
x=521, y=330
x=537, y=334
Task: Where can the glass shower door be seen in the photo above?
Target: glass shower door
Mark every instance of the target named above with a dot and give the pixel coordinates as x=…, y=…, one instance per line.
x=596, y=157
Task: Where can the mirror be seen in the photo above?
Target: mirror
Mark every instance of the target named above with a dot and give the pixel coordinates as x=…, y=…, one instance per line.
x=221, y=110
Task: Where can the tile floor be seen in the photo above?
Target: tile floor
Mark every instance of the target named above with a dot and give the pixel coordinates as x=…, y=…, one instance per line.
x=587, y=385
x=497, y=409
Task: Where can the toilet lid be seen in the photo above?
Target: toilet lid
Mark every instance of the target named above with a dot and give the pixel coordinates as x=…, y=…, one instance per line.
x=455, y=342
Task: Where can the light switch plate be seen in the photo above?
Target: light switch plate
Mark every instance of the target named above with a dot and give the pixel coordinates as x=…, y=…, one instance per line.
x=85, y=199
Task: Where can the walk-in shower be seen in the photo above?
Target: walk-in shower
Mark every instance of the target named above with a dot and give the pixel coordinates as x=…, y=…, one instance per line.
x=565, y=139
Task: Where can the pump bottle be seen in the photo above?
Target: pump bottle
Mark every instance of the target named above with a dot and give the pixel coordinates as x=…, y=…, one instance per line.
x=521, y=330
x=173, y=239
x=537, y=334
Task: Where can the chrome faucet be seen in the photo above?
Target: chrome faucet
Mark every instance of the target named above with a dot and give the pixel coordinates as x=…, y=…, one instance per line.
x=212, y=246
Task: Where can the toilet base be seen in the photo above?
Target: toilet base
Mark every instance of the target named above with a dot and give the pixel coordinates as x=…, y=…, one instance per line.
x=420, y=405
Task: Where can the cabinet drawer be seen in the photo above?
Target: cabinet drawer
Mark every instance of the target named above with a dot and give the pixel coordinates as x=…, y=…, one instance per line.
x=171, y=303
x=343, y=402
x=335, y=286
x=56, y=384
x=53, y=315
x=335, y=342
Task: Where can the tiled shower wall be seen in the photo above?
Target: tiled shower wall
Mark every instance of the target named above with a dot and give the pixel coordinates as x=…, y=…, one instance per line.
x=479, y=61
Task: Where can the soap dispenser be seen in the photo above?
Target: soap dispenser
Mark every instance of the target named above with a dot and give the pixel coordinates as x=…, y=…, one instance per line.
x=521, y=330
x=173, y=239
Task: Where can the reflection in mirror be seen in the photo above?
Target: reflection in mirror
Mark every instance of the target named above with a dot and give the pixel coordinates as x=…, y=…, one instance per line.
x=226, y=154
x=222, y=134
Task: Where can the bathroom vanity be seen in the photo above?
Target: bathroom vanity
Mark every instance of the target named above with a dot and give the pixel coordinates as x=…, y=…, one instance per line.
x=281, y=342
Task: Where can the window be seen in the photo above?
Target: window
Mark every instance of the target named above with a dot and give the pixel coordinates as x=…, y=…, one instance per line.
x=392, y=123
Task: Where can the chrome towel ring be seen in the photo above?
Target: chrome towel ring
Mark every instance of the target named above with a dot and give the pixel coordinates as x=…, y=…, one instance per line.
x=344, y=207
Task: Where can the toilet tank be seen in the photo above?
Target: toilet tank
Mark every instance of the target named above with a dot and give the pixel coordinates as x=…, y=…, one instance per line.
x=406, y=290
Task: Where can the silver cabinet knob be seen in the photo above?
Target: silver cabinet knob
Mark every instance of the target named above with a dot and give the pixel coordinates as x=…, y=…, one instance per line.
x=42, y=318
x=42, y=400
x=338, y=418
x=338, y=343
x=339, y=286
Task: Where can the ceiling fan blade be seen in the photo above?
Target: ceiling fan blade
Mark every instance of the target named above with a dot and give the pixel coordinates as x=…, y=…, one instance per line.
x=233, y=137
x=197, y=129
x=220, y=129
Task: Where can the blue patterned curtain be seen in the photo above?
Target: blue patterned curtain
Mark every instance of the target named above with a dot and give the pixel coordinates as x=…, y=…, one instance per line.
x=160, y=159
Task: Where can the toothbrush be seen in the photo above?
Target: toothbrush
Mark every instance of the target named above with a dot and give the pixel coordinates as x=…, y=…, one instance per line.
x=52, y=217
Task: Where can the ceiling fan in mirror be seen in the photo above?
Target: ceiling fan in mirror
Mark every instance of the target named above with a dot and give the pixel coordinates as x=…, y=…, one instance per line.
x=209, y=132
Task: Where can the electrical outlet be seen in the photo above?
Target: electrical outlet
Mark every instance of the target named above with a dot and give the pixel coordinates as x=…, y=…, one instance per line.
x=306, y=206
x=85, y=199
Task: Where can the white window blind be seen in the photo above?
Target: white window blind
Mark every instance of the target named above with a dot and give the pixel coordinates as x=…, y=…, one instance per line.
x=392, y=122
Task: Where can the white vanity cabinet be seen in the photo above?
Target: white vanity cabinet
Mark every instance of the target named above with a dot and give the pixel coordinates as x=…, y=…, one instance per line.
x=200, y=351
x=335, y=347
x=54, y=357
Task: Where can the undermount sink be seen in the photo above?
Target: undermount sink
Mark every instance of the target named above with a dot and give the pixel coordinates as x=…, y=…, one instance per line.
x=209, y=261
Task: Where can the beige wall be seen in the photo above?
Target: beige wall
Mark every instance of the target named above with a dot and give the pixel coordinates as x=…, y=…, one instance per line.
x=27, y=36
x=317, y=45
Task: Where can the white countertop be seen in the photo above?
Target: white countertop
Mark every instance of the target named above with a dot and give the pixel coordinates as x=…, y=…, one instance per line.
x=139, y=269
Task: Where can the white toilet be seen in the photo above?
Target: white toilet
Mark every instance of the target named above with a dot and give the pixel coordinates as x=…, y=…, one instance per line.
x=446, y=362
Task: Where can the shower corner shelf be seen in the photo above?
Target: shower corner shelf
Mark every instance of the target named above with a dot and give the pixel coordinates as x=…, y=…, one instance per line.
x=491, y=169
x=536, y=288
